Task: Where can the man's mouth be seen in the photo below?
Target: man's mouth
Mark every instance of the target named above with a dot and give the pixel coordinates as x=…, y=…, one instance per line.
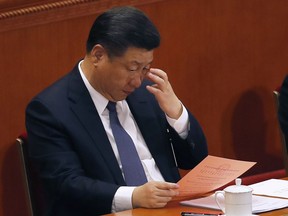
x=127, y=92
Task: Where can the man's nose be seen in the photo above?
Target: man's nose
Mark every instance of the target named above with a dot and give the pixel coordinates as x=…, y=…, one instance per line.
x=137, y=80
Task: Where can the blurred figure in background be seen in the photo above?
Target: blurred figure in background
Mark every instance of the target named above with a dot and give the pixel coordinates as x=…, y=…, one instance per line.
x=283, y=107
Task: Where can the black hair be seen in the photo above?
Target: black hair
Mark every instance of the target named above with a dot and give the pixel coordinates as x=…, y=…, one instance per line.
x=120, y=28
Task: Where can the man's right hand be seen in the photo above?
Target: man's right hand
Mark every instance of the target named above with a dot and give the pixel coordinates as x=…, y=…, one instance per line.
x=154, y=194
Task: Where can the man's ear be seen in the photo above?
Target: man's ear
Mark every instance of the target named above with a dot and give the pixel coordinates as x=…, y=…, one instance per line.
x=98, y=52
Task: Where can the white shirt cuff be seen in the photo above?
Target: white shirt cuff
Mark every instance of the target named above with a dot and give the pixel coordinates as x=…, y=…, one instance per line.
x=123, y=199
x=181, y=124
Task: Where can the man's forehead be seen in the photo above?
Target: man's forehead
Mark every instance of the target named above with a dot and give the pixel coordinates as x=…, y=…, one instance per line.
x=135, y=62
x=138, y=56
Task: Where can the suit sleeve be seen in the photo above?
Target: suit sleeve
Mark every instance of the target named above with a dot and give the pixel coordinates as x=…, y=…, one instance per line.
x=192, y=150
x=188, y=152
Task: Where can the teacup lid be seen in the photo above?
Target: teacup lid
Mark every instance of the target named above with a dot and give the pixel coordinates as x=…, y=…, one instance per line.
x=238, y=188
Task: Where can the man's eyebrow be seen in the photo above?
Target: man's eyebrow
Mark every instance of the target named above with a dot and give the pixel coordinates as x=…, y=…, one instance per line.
x=140, y=63
x=135, y=62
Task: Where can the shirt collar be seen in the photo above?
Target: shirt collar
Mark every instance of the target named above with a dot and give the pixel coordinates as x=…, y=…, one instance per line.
x=99, y=100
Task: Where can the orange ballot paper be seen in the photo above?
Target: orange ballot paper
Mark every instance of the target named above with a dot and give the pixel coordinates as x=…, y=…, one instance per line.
x=212, y=173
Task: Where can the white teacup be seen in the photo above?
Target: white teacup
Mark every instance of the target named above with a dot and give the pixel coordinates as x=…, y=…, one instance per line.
x=237, y=200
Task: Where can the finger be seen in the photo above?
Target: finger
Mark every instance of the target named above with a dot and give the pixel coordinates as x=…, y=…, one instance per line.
x=159, y=73
x=159, y=205
x=166, y=195
x=162, y=201
x=167, y=185
x=156, y=79
x=153, y=89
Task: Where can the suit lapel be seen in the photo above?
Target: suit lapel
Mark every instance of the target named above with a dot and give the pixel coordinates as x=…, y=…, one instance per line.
x=83, y=107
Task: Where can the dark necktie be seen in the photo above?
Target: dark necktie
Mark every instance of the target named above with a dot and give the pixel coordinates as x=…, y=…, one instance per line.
x=131, y=165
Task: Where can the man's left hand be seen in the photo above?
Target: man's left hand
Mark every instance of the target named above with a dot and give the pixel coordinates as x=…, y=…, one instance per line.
x=164, y=93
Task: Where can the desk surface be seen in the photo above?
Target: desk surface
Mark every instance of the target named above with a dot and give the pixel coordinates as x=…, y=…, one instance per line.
x=174, y=209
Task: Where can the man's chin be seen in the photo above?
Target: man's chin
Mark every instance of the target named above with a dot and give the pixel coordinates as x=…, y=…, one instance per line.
x=120, y=98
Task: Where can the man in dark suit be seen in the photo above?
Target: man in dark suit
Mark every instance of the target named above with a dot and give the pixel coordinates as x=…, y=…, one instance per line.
x=283, y=107
x=70, y=136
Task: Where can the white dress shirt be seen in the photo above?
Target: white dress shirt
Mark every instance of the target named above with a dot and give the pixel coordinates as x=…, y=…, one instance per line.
x=122, y=199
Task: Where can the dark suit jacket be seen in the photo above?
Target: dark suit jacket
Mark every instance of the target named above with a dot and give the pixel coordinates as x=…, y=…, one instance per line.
x=76, y=161
x=283, y=107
